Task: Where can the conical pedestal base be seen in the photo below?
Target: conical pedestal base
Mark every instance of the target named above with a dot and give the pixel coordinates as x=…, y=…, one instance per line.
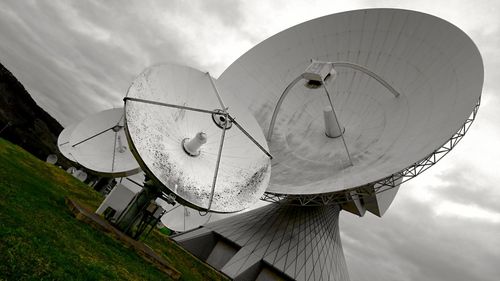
x=274, y=242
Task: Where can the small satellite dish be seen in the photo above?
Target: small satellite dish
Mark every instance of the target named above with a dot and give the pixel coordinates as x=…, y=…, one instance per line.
x=201, y=144
x=52, y=159
x=63, y=142
x=99, y=144
x=71, y=170
x=398, y=85
x=80, y=175
x=181, y=218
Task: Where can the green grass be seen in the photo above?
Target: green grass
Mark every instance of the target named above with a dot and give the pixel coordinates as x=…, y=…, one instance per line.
x=40, y=240
x=191, y=268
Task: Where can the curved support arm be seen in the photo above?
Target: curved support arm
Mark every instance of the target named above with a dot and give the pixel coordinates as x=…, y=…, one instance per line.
x=368, y=72
x=278, y=105
x=335, y=64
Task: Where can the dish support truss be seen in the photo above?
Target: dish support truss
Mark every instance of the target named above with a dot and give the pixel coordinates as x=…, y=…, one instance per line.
x=390, y=182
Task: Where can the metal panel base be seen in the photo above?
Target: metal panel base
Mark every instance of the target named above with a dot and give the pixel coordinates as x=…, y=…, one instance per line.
x=277, y=241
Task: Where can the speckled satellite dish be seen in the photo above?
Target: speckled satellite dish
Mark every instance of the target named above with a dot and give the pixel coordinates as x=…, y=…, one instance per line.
x=403, y=84
x=63, y=142
x=100, y=145
x=177, y=125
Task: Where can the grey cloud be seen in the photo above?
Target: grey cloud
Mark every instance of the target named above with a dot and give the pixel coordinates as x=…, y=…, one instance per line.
x=411, y=243
x=465, y=184
x=79, y=71
x=227, y=11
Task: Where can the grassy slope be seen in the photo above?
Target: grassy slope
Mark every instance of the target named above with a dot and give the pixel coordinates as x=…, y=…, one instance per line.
x=40, y=240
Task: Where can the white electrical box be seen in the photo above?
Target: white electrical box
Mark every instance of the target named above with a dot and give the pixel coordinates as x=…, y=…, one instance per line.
x=318, y=71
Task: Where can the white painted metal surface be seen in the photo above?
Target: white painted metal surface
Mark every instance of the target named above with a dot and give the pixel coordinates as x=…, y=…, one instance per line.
x=157, y=132
x=134, y=182
x=299, y=243
x=63, y=142
x=71, y=170
x=102, y=149
x=182, y=218
x=435, y=67
x=118, y=199
x=80, y=175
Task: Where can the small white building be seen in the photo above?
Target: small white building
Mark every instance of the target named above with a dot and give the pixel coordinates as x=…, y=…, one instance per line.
x=119, y=198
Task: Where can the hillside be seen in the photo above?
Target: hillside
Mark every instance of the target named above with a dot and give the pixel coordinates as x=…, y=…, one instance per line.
x=29, y=125
x=41, y=240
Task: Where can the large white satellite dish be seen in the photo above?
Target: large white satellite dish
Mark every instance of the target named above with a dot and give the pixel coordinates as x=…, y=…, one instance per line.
x=352, y=104
x=99, y=144
x=403, y=84
x=63, y=142
x=198, y=142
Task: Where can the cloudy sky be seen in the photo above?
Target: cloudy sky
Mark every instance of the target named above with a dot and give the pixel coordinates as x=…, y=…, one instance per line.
x=79, y=57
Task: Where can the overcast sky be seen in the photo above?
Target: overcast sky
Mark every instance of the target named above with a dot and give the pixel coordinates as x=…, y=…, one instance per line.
x=79, y=57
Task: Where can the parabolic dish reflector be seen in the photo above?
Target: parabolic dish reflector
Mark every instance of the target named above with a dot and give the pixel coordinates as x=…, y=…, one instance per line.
x=63, y=142
x=99, y=144
x=168, y=106
x=434, y=66
x=51, y=158
x=181, y=218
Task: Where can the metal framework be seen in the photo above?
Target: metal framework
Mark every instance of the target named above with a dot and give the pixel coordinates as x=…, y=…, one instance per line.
x=392, y=181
